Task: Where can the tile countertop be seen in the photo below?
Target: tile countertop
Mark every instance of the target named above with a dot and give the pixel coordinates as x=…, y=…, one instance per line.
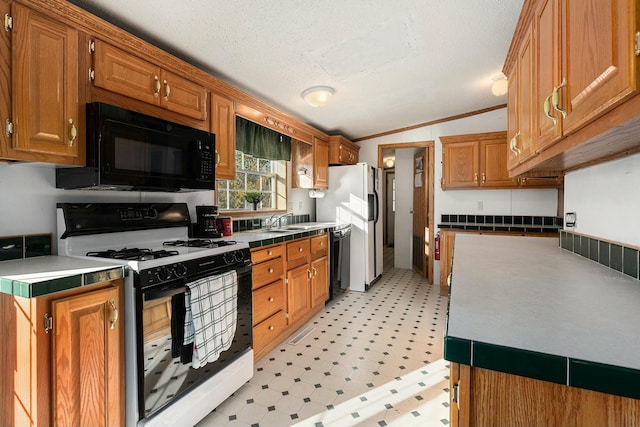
x=264, y=237
x=33, y=277
x=522, y=305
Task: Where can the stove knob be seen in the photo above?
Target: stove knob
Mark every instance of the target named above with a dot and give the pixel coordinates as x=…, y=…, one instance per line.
x=163, y=273
x=238, y=256
x=180, y=270
x=228, y=258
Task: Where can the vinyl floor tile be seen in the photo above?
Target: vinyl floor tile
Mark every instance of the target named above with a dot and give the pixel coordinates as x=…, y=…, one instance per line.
x=371, y=359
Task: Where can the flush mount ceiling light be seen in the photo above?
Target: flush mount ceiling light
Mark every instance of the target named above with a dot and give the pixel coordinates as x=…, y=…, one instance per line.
x=318, y=96
x=499, y=86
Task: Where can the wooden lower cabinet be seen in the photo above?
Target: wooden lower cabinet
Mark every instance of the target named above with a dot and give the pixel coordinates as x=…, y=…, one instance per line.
x=290, y=285
x=319, y=281
x=298, y=292
x=71, y=375
x=491, y=398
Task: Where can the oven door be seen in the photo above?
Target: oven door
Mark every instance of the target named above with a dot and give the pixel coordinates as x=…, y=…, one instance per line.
x=164, y=363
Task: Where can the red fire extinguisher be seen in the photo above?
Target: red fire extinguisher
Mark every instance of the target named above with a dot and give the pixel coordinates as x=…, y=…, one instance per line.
x=437, y=247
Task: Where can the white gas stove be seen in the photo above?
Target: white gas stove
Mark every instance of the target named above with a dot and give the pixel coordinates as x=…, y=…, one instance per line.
x=152, y=240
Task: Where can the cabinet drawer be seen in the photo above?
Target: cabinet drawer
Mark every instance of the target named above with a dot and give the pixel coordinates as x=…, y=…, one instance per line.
x=298, y=249
x=268, y=330
x=319, y=246
x=267, y=300
x=260, y=255
x=267, y=272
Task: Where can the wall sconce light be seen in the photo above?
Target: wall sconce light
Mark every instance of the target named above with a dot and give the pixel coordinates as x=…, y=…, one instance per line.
x=500, y=85
x=318, y=96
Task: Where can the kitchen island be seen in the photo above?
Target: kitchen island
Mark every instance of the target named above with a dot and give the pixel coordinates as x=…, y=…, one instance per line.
x=540, y=336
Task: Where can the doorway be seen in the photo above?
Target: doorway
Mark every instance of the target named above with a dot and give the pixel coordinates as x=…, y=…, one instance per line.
x=421, y=181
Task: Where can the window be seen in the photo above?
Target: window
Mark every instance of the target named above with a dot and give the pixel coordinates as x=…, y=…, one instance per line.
x=268, y=177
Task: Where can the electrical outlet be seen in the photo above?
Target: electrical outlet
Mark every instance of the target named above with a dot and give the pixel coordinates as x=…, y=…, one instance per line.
x=570, y=219
x=480, y=205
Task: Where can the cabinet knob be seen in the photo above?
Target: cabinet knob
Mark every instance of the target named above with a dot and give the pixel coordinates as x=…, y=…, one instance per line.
x=484, y=178
x=217, y=158
x=270, y=299
x=73, y=132
x=271, y=328
x=547, y=109
x=300, y=249
x=270, y=270
x=269, y=253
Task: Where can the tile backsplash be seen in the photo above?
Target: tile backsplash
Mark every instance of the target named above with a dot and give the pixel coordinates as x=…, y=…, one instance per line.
x=517, y=223
x=613, y=255
x=245, y=224
x=18, y=247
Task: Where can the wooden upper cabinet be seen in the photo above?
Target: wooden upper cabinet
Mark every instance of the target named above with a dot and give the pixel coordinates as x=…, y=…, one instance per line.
x=320, y=163
x=47, y=124
x=521, y=145
x=476, y=161
x=599, y=59
x=342, y=151
x=223, y=125
x=460, y=163
x=493, y=163
x=548, y=29
x=120, y=72
x=301, y=164
x=583, y=66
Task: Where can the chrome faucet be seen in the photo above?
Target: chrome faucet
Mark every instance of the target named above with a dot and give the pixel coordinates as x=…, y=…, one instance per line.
x=275, y=218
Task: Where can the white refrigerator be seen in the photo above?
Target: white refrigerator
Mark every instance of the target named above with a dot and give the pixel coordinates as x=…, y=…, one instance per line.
x=353, y=198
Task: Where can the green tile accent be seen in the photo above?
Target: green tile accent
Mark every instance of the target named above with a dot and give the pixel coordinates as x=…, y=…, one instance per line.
x=278, y=239
x=5, y=286
x=37, y=245
x=255, y=244
x=11, y=248
x=457, y=350
x=604, y=378
x=52, y=286
x=530, y=364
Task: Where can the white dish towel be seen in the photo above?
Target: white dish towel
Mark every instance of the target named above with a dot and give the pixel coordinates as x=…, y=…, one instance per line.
x=214, y=314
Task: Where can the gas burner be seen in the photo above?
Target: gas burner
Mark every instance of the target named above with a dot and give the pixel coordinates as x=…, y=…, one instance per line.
x=200, y=243
x=133, y=254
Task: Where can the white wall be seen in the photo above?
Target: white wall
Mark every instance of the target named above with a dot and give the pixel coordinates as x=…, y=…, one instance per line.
x=28, y=199
x=606, y=200
x=495, y=202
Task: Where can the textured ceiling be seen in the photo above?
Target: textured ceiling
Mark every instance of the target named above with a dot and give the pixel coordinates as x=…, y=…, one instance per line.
x=392, y=63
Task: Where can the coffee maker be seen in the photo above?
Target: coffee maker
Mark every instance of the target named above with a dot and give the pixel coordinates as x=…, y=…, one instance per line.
x=206, y=226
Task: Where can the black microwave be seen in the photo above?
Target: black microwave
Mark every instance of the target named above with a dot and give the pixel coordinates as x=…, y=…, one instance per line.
x=127, y=150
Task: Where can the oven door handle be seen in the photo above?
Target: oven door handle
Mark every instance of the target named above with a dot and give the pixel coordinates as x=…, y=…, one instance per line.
x=150, y=295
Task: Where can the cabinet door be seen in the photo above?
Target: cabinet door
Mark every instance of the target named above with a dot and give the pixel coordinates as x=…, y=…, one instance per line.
x=87, y=369
x=301, y=164
x=523, y=144
x=598, y=54
x=460, y=168
x=5, y=80
x=493, y=164
x=446, y=259
x=128, y=75
x=320, y=163
x=46, y=110
x=319, y=281
x=513, y=117
x=298, y=294
x=223, y=125
x=548, y=39
x=183, y=96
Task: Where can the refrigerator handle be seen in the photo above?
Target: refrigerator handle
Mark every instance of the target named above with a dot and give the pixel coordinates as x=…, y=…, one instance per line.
x=377, y=204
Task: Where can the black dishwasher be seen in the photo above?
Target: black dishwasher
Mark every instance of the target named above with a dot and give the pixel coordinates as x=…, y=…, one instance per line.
x=340, y=237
